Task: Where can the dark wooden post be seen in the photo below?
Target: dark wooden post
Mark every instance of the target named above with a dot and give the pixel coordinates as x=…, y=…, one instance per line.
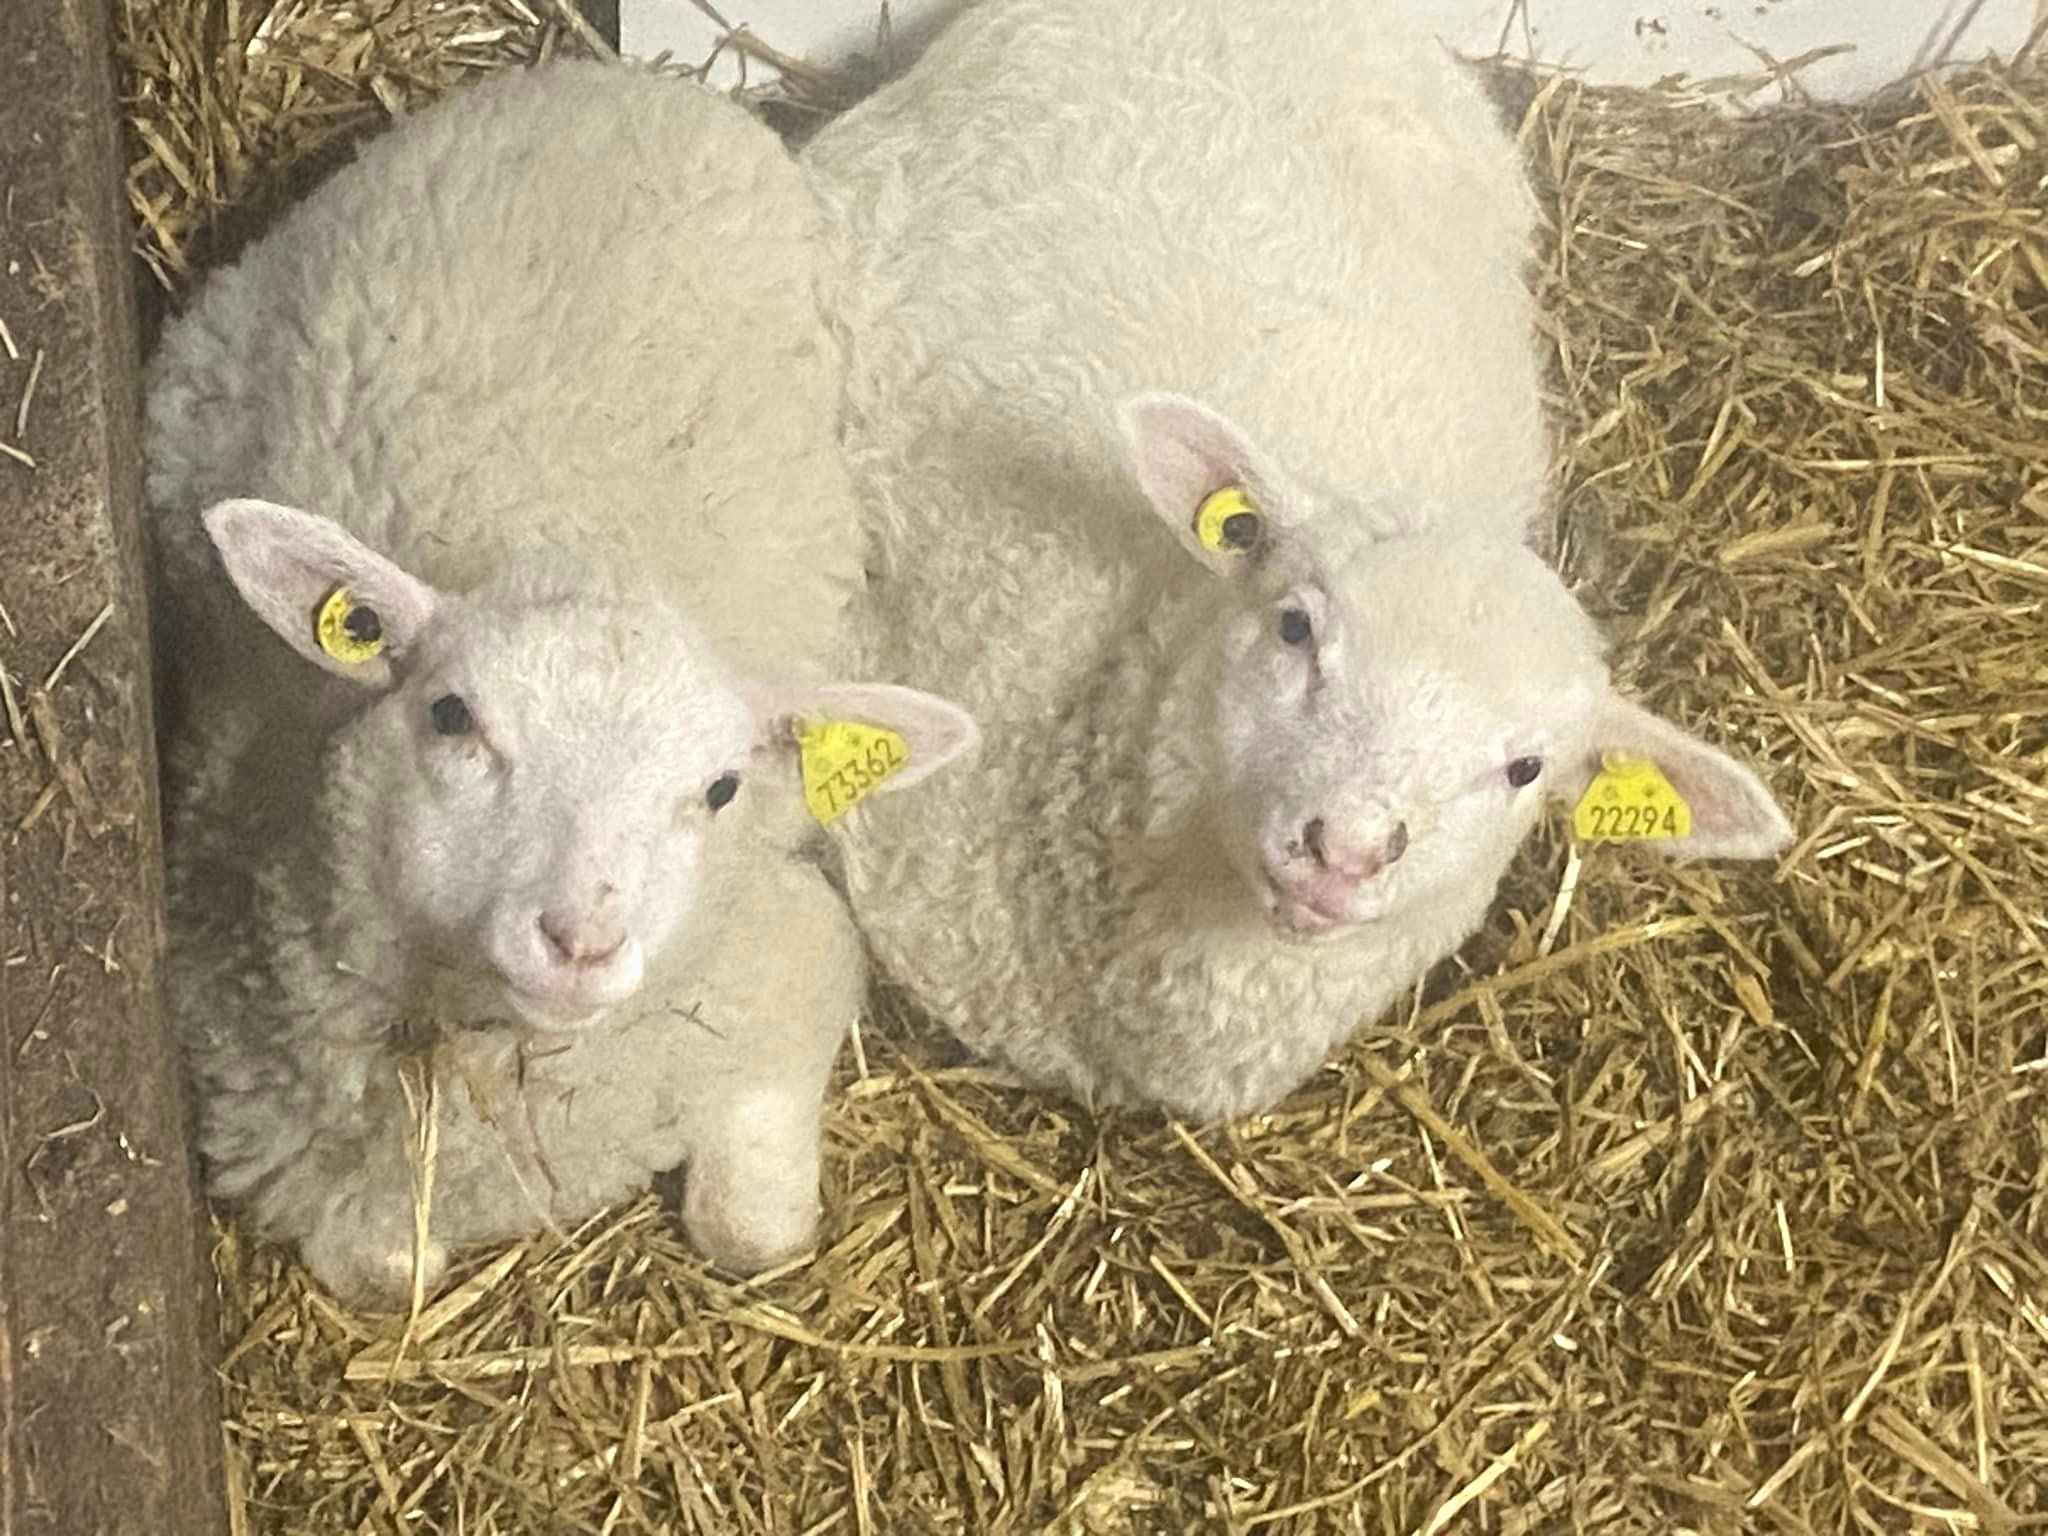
x=603, y=16
x=109, y=1417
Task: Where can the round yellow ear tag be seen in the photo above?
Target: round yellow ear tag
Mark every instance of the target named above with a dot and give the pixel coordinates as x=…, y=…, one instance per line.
x=1226, y=522
x=348, y=631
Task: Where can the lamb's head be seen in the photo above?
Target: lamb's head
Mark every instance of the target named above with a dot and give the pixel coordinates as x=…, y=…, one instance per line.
x=526, y=791
x=1388, y=711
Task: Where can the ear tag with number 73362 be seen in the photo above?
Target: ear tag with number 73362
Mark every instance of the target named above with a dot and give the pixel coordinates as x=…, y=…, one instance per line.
x=845, y=762
x=1630, y=801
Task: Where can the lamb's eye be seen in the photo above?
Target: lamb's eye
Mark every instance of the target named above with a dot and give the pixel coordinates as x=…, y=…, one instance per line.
x=1295, y=627
x=1523, y=770
x=722, y=789
x=451, y=716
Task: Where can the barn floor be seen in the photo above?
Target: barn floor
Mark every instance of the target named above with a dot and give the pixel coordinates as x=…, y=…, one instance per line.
x=1689, y=1201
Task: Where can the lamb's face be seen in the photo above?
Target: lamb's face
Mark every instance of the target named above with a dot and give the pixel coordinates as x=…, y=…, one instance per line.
x=528, y=794
x=1391, y=710
x=1387, y=727
x=542, y=783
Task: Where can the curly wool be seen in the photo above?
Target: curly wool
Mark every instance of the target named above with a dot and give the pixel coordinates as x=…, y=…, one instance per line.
x=449, y=350
x=1313, y=222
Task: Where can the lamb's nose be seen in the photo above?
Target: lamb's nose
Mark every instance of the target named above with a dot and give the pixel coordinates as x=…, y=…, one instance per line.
x=579, y=943
x=1356, y=864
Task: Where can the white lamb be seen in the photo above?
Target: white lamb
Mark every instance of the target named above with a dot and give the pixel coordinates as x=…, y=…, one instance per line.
x=551, y=357
x=1266, y=709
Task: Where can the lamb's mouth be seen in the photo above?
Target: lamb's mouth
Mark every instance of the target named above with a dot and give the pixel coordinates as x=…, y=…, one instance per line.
x=549, y=1014
x=1299, y=920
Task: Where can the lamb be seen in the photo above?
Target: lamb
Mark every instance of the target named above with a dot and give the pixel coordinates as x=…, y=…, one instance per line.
x=1194, y=406
x=518, y=793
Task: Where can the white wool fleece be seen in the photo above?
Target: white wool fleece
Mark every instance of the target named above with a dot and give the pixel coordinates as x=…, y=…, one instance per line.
x=541, y=385
x=1235, y=795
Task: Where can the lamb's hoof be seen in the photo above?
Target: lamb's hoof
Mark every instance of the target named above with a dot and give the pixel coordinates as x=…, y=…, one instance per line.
x=745, y=1237
x=375, y=1280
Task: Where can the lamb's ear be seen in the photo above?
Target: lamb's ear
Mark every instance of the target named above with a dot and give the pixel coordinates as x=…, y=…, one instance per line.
x=1733, y=815
x=934, y=732
x=1204, y=477
x=335, y=601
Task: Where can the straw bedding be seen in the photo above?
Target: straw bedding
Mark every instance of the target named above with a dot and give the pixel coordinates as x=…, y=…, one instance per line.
x=1703, y=1200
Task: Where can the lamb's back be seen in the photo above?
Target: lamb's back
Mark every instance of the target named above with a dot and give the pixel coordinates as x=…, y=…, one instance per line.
x=1319, y=226
x=576, y=309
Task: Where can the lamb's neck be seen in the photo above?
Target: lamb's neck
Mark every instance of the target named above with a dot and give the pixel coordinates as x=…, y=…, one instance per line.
x=363, y=976
x=336, y=958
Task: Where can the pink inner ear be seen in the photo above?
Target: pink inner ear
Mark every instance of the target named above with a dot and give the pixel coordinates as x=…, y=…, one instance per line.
x=285, y=562
x=1185, y=464
x=1182, y=453
x=1733, y=812
x=1713, y=808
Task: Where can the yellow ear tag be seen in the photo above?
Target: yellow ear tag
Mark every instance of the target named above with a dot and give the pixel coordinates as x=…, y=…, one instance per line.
x=1226, y=522
x=844, y=763
x=348, y=631
x=1630, y=801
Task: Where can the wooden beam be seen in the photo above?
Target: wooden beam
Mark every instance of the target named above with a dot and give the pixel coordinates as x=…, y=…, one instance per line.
x=109, y=1420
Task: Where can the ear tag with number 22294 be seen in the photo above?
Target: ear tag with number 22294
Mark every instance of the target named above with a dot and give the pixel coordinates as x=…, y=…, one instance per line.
x=1630, y=801
x=845, y=762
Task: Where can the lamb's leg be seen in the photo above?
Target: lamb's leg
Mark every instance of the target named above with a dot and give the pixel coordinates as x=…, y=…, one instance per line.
x=751, y=1197
x=333, y=1163
x=782, y=994
x=364, y=1249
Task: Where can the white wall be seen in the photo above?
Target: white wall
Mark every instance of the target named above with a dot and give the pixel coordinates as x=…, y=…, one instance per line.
x=1631, y=42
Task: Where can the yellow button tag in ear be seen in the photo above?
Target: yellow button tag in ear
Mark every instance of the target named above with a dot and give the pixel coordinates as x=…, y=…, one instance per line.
x=1630, y=801
x=844, y=763
x=1226, y=522
x=348, y=631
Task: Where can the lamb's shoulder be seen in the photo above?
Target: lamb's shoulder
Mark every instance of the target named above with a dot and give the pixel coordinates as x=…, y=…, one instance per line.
x=1203, y=1041
x=528, y=1136
x=290, y=1050
x=237, y=871
x=992, y=592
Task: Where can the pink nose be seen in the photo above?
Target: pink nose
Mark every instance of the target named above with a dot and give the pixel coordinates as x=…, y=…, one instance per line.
x=577, y=941
x=1355, y=865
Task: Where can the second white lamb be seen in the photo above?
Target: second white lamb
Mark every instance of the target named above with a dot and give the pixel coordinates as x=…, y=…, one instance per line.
x=1195, y=407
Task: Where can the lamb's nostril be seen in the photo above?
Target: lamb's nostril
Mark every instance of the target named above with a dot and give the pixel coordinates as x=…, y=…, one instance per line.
x=1312, y=840
x=1397, y=844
